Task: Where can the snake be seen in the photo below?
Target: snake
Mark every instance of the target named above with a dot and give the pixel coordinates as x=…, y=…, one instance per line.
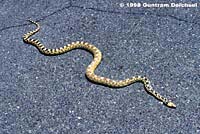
x=90, y=70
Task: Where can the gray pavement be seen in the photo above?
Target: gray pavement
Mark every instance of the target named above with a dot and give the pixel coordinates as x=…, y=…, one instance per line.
x=50, y=95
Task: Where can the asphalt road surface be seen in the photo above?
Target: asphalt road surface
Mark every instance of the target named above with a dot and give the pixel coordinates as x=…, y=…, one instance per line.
x=50, y=95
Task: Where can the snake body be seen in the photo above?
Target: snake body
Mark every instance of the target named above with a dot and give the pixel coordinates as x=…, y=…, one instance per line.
x=90, y=71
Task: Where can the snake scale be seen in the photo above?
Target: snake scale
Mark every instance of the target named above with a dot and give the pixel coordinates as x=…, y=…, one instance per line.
x=90, y=71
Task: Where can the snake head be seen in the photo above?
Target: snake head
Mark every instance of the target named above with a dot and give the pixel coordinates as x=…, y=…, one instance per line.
x=171, y=104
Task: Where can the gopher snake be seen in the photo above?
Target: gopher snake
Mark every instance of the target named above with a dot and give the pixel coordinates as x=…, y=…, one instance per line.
x=94, y=64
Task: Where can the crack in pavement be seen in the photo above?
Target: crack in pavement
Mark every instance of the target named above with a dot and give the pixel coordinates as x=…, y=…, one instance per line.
x=55, y=12
x=132, y=13
x=38, y=20
x=97, y=10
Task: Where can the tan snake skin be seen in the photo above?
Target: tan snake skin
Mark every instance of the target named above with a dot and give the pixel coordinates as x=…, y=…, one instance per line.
x=94, y=64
